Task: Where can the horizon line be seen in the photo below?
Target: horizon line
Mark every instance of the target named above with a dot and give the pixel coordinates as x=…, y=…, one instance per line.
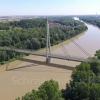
x=51, y=15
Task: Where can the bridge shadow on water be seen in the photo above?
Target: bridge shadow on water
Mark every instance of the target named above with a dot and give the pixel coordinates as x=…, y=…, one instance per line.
x=37, y=63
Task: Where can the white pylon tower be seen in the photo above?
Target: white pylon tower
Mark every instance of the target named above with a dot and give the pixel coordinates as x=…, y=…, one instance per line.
x=48, y=49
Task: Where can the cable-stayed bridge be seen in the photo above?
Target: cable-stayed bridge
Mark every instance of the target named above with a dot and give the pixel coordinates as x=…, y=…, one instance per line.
x=48, y=53
x=57, y=56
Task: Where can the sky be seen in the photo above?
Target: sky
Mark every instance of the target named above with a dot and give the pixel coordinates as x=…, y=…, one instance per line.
x=49, y=7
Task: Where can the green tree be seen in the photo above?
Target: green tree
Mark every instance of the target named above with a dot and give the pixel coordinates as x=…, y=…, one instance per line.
x=31, y=96
x=49, y=90
x=85, y=83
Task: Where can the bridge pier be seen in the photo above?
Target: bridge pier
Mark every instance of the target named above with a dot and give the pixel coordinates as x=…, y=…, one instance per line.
x=48, y=49
x=48, y=60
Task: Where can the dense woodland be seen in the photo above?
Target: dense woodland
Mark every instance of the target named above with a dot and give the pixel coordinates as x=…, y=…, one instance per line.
x=85, y=85
x=31, y=34
x=95, y=20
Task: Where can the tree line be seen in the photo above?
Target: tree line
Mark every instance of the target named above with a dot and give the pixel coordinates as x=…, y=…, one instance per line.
x=84, y=85
x=95, y=20
x=31, y=33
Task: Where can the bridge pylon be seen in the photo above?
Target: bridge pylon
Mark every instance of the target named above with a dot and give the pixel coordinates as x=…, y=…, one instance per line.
x=48, y=48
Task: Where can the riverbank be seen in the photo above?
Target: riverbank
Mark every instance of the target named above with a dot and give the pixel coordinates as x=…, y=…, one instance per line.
x=43, y=50
x=4, y=67
x=31, y=34
x=66, y=42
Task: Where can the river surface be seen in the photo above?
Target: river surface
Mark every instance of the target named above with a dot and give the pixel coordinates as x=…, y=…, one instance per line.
x=89, y=41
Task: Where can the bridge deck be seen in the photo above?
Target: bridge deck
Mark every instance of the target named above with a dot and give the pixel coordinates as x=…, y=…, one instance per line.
x=70, y=58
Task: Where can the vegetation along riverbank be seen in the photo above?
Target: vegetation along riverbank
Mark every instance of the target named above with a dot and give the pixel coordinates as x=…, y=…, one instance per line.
x=95, y=20
x=31, y=34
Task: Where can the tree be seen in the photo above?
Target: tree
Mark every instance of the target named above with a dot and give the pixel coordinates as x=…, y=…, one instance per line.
x=85, y=83
x=32, y=96
x=98, y=54
x=35, y=44
x=49, y=90
x=95, y=67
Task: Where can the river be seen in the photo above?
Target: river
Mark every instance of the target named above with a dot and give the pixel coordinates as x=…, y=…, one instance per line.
x=89, y=41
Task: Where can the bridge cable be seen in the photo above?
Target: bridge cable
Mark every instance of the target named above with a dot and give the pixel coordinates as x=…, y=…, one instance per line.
x=81, y=48
x=77, y=45
x=65, y=51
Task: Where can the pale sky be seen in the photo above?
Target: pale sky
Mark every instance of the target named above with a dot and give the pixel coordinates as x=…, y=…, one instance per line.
x=49, y=7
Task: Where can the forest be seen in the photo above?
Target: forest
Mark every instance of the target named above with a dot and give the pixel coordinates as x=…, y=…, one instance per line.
x=31, y=34
x=95, y=20
x=84, y=85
